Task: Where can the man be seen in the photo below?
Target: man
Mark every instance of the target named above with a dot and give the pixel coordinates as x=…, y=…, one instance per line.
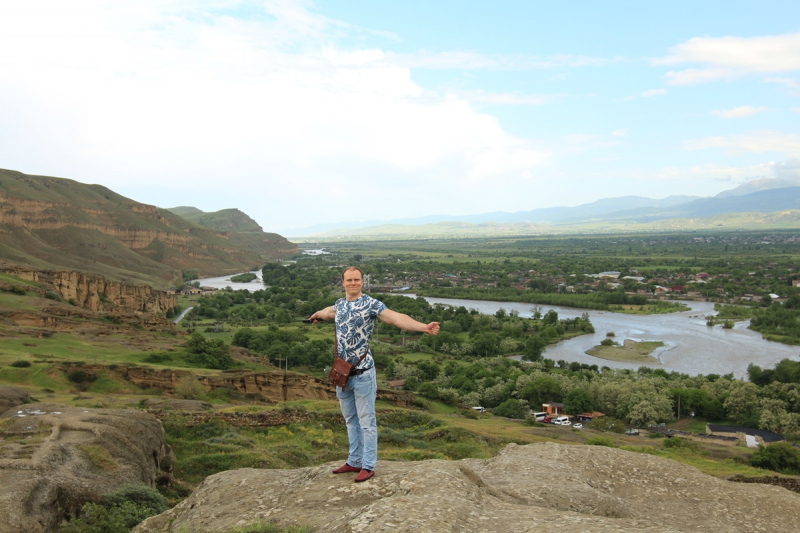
x=355, y=316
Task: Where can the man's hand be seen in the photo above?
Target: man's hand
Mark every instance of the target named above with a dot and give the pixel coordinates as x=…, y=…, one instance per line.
x=432, y=328
x=325, y=314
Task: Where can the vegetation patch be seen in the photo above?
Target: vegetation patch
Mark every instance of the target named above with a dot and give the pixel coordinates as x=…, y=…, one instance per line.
x=631, y=351
x=100, y=457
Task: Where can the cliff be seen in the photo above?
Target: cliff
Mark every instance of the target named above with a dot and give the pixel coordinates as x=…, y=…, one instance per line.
x=546, y=488
x=56, y=224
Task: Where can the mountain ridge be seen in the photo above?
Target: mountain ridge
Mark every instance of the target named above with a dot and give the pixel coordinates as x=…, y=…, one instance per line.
x=59, y=223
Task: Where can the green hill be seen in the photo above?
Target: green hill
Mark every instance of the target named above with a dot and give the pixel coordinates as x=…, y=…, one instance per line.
x=58, y=223
x=223, y=220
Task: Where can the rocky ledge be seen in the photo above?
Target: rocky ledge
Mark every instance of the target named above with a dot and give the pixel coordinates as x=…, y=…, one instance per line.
x=537, y=487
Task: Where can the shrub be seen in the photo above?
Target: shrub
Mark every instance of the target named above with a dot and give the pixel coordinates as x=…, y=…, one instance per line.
x=656, y=436
x=600, y=441
x=608, y=342
x=21, y=364
x=120, y=512
x=79, y=376
x=678, y=442
x=51, y=295
x=510, y=408
x=779, y=457
x=189, y=388
x=157, y=358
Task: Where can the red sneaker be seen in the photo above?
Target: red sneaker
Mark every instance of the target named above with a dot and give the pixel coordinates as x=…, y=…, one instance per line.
x=364, y=475
x=346, y=468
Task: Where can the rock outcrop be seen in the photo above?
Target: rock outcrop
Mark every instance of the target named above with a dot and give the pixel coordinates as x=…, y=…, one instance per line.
x=543, y=488
x=96, y=293
x=54, y=458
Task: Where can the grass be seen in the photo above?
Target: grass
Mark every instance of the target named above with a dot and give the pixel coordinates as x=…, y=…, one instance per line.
x=18, y=281
x=100, y=457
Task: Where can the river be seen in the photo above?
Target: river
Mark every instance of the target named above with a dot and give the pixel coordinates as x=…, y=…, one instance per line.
x=225, y=281
x=691, y=346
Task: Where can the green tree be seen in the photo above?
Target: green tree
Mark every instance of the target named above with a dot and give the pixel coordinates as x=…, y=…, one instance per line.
x=742, y=403
x=578, y=401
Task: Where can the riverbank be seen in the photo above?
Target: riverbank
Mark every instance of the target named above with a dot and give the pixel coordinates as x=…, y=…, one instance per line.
x=630, y=352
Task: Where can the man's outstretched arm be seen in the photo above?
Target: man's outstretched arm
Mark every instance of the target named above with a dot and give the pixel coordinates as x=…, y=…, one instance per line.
x=329, y=313
x=407, y=323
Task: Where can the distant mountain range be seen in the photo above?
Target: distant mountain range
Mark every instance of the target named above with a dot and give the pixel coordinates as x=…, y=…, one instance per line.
x=759, y=196
x=62, y=224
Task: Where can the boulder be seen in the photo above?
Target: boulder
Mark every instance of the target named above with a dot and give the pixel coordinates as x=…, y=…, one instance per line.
x=54, y=458
x=536, y=487
x=12, y=397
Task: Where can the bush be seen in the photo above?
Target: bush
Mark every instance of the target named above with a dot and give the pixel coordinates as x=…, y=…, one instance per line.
x=510, y=408
x=189, y=388
x=79, y=376
x=678, y=442
x=779, y=457
x=600, y=441
x=608, y=342
x=120, y=512
x=21, y=364
x=51, y=295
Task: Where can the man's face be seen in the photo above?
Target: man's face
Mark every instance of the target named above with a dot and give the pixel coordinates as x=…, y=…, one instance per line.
x=352, y=282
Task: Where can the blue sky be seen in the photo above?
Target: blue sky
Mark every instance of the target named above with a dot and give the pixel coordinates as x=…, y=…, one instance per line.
x=301, y=113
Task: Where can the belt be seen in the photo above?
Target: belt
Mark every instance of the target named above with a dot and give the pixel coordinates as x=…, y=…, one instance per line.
x=360, y=371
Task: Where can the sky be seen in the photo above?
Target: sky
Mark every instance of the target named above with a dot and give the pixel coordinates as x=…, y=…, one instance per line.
x=300, y=113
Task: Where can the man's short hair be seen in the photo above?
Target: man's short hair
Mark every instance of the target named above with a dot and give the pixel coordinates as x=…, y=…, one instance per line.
x=348, y=269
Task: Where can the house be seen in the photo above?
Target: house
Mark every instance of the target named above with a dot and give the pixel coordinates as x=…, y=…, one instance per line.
x=588, y=417
x=188, y=290
x=661, y=291
x=553, y=408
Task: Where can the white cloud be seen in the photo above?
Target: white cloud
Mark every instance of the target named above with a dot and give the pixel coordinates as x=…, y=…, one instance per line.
x=468, y=60
x=738, y=112
x=731, y=57
x=652, y=92
x=758, y=142
x=162, y=95
x=505, y=98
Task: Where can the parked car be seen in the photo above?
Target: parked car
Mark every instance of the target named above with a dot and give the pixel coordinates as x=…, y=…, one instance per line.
x=547, y=420
x=577, y=425
x=632, y=431
x=562, y=421
x=480, y=409
x=566, y=423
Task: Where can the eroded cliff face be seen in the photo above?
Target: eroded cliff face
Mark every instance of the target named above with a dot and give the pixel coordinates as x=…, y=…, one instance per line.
x=94, y=292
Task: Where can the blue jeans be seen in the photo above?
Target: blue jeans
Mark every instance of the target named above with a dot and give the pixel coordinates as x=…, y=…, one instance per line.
x=357, y=401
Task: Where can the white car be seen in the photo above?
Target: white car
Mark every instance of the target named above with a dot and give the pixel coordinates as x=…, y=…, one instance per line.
x=566, y=423
x=578, y=425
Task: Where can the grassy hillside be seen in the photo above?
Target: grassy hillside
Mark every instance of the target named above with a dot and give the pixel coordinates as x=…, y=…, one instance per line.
x=57, y=223
x=223, y=220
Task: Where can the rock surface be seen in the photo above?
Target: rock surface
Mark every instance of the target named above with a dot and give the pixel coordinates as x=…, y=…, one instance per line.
x=12, y=397
x=537, y=487
x=54, y=458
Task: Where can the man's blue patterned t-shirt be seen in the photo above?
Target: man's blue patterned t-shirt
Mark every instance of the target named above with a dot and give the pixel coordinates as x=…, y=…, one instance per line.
x=354, y=324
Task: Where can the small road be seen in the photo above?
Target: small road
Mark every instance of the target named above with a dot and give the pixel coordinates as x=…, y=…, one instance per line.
x=183, y=314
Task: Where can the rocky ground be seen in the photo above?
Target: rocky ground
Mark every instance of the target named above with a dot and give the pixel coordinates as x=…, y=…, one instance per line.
x=537, y=487
x=54, y=458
